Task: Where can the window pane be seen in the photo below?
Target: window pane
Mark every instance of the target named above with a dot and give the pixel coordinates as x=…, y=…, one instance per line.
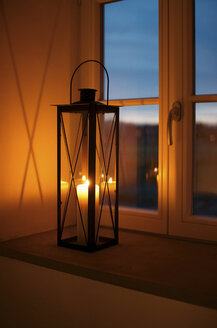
x=138, y=167
x=205, y=160
x=206, y=46
x=131, y=48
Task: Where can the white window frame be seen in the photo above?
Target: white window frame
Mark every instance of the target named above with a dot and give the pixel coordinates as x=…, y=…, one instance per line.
x=175, y=84
x=142, y=219
x=90, y=47
x=181, y=221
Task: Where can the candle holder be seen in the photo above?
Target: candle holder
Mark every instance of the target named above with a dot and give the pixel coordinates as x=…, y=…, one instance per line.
x=87, y=171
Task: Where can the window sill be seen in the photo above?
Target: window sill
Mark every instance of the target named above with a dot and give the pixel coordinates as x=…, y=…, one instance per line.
x=181, y=270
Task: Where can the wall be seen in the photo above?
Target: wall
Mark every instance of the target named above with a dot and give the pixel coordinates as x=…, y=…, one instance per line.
x=33, y=296
x=39, y=51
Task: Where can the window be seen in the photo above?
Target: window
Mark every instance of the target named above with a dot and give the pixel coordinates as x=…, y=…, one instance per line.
x=205, y=47
x=205, y=160
x=205, y=126
x=193, y=184
x=131, y=48
x=159, y=53
x=131, y=56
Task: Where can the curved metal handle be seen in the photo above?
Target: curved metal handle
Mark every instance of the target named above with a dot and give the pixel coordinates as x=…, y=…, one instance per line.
x=84, y=62
x=176, y=115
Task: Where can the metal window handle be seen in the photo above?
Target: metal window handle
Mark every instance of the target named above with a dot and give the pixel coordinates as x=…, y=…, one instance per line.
x=175, y=114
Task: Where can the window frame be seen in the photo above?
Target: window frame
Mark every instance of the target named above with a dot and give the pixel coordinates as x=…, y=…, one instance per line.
x=181, y=221
x=144, y=219
x=175, y=83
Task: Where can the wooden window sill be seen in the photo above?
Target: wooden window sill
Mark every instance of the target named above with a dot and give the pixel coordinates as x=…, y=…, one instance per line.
x=181, y=270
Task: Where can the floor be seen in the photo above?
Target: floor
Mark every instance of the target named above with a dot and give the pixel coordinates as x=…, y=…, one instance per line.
x=177, y=269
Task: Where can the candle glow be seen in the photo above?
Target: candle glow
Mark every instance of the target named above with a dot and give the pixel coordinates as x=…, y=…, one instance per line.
x=82, y=192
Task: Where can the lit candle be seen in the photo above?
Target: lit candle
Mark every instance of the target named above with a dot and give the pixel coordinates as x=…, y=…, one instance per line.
x=112, y=190
x=82, y=192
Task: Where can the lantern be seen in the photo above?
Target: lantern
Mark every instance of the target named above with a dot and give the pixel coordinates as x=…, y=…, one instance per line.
x=87, y=171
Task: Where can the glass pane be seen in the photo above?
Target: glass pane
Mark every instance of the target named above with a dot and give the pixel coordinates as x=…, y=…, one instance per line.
x=138, y=167
x=205, y=160
x=72, y=166
x=131, y=48
x=106, y=166
x=205, y=46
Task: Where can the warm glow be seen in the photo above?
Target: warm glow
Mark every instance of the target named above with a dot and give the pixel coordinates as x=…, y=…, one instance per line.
x=64, y=185
x=110, y=181
x=82, y=192
x=157, y=174
x=84, y=178
x=112, y=187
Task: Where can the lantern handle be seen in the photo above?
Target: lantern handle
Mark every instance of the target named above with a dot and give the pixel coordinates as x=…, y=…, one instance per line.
x=84, y=62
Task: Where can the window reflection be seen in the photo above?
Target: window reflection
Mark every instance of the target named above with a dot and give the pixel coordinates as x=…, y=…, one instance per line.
x=205, y=160
x=138, y=169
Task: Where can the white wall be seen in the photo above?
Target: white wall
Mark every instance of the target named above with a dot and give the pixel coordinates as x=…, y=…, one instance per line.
x=39, y=51
x=33, y=296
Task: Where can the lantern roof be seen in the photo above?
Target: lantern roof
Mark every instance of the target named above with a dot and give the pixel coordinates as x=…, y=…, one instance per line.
x=86, y=103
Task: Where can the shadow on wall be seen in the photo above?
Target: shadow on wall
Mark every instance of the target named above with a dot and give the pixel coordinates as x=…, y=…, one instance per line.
x=36, y=63
x=30, y=133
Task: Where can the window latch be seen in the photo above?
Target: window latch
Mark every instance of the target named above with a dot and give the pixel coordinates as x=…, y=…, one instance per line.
x=175, y=114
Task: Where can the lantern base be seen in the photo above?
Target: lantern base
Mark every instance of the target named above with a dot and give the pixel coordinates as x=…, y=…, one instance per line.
x=72, y=243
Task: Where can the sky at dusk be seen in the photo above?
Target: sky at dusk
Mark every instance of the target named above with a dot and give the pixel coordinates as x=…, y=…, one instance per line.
x=131, y=55
x=206, y=46
x=131, y=48
x=140, y=115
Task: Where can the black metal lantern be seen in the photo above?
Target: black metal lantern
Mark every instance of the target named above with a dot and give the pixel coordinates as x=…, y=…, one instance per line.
x=87, y=177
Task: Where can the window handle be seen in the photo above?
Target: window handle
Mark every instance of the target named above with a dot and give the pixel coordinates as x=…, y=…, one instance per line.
x=175, y=114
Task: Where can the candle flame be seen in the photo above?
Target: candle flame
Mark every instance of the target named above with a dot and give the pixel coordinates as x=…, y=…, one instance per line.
x=85, y=180
x=110, y=180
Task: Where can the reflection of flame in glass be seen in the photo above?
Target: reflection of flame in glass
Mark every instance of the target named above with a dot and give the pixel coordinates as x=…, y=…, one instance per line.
x=157, y=175
x=64, y=185
x=156, y=169
x=152, y=174
x=64, y=189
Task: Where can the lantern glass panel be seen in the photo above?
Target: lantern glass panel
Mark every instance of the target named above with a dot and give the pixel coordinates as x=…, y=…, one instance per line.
x=106, y=172
x=74, y=175
x=87, y=197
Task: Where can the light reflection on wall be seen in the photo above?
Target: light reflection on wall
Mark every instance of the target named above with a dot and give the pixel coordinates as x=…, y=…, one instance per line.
x=35, y=47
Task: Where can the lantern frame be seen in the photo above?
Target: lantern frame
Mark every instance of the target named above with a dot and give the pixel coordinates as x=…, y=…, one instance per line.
x=90, y=109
